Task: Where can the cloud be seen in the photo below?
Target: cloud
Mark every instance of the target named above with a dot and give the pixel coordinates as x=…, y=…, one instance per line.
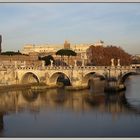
x=78, y=22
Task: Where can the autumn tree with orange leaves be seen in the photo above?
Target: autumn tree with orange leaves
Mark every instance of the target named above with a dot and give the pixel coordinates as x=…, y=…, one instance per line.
x=101, y=56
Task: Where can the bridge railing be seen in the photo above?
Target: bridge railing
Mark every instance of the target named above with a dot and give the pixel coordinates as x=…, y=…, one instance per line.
x=30, y=68
x=77, y=67
x=63, y=68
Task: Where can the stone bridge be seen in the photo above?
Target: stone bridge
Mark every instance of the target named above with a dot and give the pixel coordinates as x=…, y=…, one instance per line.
x=77, y=75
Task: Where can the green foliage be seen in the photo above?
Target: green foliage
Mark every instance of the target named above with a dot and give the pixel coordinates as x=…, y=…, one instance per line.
x=66, y=52
x=47, y=59
x=11, y=53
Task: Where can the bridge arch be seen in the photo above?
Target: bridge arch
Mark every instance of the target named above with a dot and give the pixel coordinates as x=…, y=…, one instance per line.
x=87, y=76
x=30, y=77
x=54, y=77
x=126, y=75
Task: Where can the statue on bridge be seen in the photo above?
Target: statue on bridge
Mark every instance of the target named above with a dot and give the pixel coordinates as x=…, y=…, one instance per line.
x=112, y=62
x=24, y=63
x=15, y=64
x=51, y=62
x=43, y=64
x=75, y=63
x=118, y=63
x=83, y=62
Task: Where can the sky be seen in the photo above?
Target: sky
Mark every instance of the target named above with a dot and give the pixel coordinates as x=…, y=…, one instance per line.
x=53, y=23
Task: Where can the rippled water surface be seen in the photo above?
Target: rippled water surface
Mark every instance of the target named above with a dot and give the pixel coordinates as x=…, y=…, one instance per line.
x=60, y=113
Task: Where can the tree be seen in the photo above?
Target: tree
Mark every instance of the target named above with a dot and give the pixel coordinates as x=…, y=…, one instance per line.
x=66, y=52
x=47, y=59
x=102, y=55
x=11, y=53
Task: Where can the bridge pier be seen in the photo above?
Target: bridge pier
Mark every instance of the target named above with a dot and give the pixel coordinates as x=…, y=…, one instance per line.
x=114, y=75
x=114, y=86
x=76, y=80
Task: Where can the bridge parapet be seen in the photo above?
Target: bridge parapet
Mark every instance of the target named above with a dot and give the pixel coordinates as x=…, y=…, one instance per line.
x=77, y=67
x=57, y=68
x=29, y=68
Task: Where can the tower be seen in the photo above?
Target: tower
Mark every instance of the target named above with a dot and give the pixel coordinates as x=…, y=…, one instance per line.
x=66, y=45
x=0, y=43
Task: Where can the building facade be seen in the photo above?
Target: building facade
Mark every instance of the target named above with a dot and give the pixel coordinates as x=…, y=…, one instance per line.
x=0, y=43
x=29, y=60
x=51, y=49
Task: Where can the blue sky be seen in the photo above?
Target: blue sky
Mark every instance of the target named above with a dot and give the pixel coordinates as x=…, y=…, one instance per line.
x=41, y=23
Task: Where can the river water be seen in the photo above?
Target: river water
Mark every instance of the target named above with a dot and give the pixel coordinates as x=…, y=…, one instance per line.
x=61, y=113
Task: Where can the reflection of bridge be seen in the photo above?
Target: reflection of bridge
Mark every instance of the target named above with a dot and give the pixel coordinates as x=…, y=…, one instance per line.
x=16, y=101
x=78, y=76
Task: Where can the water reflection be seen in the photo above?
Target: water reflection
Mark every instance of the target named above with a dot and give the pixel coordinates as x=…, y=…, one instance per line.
x=76, y=100
x=56, y=102
x=1, y=121
x=58, y=96
x=29, y=95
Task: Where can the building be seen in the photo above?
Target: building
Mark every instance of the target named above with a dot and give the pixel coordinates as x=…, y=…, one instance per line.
x=66, y=45
x=100, y=43
x=0, y=43
x=51, y=49
x=30, y=60
x=45, y=48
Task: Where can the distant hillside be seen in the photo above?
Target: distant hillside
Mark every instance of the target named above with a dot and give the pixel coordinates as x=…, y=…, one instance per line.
x=102, y=55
